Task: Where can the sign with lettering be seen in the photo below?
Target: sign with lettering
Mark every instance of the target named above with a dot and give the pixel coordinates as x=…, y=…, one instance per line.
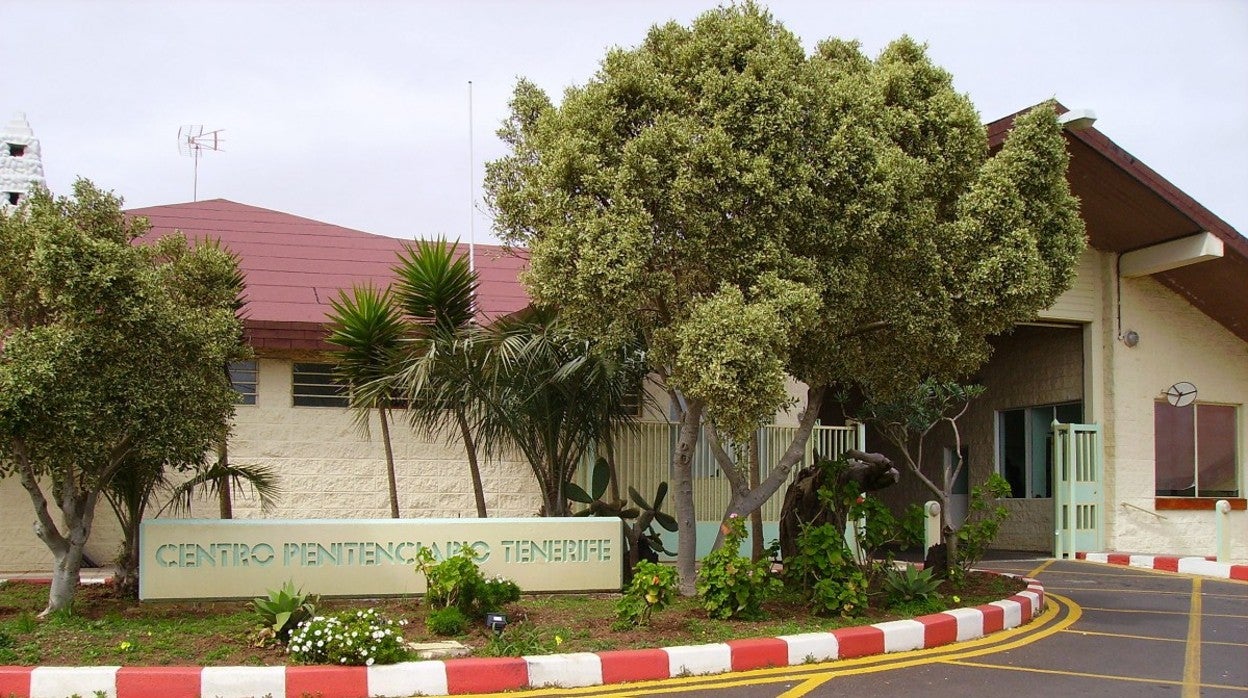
x=240, y=558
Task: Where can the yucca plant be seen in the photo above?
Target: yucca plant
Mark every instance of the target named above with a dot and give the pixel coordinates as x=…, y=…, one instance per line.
x=369, y=330
x=436, y=288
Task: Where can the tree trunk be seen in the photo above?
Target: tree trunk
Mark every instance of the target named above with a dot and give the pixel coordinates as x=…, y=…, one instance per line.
x=682, y=471
x=756, y=516
x=128, y=563
x=758, y=496
x=66, y=575
x=613, y=484
x=474, y=468
x=738, y=485
x=391, y=478
x=225, y=489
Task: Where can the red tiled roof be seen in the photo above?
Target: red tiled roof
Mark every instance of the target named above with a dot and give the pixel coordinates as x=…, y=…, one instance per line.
x=295, y=265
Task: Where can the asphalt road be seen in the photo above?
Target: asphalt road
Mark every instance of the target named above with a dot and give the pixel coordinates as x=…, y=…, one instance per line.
x=1108, y=631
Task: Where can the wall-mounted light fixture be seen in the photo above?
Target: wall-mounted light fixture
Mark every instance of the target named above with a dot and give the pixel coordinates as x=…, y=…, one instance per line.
x=1131, y=338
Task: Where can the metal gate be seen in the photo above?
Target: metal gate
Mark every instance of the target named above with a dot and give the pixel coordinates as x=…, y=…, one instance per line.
x=1078, y=494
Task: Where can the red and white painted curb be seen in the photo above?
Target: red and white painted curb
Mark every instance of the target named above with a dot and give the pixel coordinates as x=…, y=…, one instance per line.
x=1167, y=563
x=485, y=675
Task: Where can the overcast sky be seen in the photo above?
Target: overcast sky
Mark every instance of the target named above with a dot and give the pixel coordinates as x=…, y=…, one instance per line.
x=357, y=113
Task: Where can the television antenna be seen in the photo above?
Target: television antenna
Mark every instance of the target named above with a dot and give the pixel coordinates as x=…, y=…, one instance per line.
x=192, y=142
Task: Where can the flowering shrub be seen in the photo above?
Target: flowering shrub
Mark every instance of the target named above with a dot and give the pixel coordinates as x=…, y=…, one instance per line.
x=496, y=592
x=652, y=589
x=732, y=586
x=351, y=637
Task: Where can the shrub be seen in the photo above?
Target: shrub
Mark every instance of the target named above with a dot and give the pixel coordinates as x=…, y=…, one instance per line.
x=652, y=589
x=284, y=609
x=910, y=584
x=732, y=586
x=983, y=521
x=446, y=621
x=457, y=582
x=351, y=637
x=826, y=572
x=845, y=595
x=910, y=535
x=450, y=582
x=495, y=593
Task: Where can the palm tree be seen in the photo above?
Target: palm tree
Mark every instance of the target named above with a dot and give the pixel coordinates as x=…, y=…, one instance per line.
x=437, y=288
x=370, y=331
x=553, y=395
x=130, y=493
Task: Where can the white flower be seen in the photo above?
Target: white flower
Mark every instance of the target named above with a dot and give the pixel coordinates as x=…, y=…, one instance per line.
x=369, y=662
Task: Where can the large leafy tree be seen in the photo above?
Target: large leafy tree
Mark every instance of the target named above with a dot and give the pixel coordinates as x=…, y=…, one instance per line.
x=110, y=355
x=757, y=212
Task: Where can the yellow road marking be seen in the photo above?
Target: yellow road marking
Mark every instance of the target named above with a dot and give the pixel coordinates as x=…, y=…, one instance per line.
x=1161, y=613
x=806, y=686
x=1081, y=674
x=1149, y=570
x=1149, y=637
x=1045, y=625
x=1191, y=660
x=1140, y=591
x=1035, y=572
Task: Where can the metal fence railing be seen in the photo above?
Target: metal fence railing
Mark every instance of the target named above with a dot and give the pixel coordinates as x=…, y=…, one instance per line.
x=643, y=458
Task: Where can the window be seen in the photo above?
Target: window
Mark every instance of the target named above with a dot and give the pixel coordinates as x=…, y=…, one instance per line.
x=314, y=385
x=14, y=197
x=1195, y=450
x=1025, y=446
x=17, y=150
x=243, y=377
x=634, y=399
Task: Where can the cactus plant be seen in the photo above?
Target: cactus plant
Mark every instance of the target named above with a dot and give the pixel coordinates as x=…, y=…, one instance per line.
x=642, y=514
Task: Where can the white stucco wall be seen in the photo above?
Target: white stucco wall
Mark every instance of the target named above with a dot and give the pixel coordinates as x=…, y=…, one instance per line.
x=1177, y=343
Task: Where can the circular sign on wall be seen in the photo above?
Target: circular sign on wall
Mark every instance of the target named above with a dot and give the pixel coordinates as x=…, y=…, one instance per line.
x=1181, y=394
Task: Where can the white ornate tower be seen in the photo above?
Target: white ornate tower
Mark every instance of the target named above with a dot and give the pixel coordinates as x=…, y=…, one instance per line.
x=20, y=166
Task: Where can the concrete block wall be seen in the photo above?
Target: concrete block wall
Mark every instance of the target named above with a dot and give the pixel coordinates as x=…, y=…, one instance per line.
x=1032, y=366
x=330, y=469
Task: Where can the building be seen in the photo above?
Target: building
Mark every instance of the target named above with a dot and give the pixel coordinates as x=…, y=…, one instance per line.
x=294, y=267
x=1158, y=302
x=20, y=165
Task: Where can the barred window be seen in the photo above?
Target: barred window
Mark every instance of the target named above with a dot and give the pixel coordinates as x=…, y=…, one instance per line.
x=314, y=385
x=243, y=378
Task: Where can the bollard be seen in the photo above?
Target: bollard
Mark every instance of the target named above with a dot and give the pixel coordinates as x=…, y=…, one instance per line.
x=931, y=526
x=1222, y=529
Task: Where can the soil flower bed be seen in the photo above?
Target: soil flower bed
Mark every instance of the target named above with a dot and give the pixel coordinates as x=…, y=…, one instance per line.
x=107, y=630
